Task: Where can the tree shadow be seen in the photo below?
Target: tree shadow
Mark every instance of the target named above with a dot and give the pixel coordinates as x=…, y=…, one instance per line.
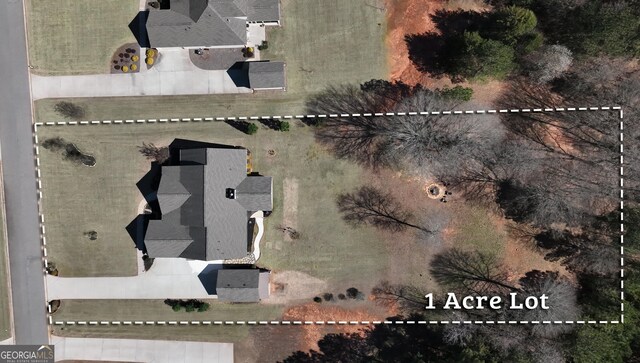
x=271, y=123
x=430, y=51
x=242, y=126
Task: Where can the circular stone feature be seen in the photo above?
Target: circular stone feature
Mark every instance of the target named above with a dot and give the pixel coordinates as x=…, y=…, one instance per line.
x=435, y=191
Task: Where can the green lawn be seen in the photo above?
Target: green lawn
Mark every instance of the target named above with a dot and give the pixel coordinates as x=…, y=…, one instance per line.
x=156, y=310
x=323, y=42
x=77, y=36
x=5, y=304
x=104, y=198
x=478, y=231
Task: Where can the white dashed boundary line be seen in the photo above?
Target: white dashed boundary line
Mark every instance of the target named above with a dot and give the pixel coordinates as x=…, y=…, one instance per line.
x=321, y=116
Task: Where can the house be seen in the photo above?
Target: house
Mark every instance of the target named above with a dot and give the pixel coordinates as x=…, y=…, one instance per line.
x=207, y=197
x=208, y=23
x=242, y=285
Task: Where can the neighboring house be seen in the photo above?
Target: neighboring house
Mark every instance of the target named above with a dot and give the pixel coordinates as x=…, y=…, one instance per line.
x=206, y=200
x=208, y=23
x=265, y=75
x=242, y=285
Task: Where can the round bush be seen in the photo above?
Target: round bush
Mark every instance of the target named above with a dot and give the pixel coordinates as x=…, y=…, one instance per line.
x=149, y=61
x=125, y=69
x=134, y=67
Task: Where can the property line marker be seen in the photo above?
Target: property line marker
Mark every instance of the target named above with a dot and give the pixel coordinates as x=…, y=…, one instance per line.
x=310, y=116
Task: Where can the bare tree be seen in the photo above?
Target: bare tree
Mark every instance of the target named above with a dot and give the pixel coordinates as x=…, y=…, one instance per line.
x=548, y=63
x=369, y=205
x=69, y=110
x=154, y=153
x=473, y=272
x=407, y=298
x=562, y=302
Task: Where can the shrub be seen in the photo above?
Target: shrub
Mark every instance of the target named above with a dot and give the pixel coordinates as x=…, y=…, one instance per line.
x=530, y=42
x=69, y=109
x=342, y=296
x=548, y=63
x=264, y=45
x=252, y=129
x=150, y=53
x=125, y=69
x=457, y=93
x=135, y=58
x=317, y=299
x=176, y=307
x=203, y=306
x=352, y=293
x=134, y=67
x=284, y=126
x=149, y=61
x=328, y=296
x=189, y=306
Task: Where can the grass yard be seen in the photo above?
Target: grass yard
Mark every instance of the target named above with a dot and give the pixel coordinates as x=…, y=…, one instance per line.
x=5, y=304
x=104, y=198
x=77, y=36
x=323, y=42
x=156, y=310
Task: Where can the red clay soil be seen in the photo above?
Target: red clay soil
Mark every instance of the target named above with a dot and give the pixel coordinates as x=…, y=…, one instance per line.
x=405, y=17
x=327, y=312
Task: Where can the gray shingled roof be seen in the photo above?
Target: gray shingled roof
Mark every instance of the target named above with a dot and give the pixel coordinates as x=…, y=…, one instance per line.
x=263, y=10
x=207, y=23
x=221, y=23
x=254, y=193
x=198, y=218
x=265, y=74
x=241, y=285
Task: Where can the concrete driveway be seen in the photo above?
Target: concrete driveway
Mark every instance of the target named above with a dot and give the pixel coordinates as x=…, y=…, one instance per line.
x=168, y=278
x=143, y=351
x=173, y=74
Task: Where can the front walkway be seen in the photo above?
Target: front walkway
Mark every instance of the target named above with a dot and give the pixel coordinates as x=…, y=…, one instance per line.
x=174, y=74
x=143, y=351
x=168, y=278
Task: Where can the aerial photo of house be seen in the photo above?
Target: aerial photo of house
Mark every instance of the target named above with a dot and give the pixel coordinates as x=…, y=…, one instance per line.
x=315, y=181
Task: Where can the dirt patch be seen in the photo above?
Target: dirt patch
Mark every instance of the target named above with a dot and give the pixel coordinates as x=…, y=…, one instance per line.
x=290, y=214
x=318, y=312
x=288, y=286
x=407, y=17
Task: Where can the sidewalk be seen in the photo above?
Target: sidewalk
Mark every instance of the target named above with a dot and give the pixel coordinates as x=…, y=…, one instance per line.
x=143, y=351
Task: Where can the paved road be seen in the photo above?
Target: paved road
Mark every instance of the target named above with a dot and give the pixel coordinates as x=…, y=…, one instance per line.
x=20, y=180
x=131, y=350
